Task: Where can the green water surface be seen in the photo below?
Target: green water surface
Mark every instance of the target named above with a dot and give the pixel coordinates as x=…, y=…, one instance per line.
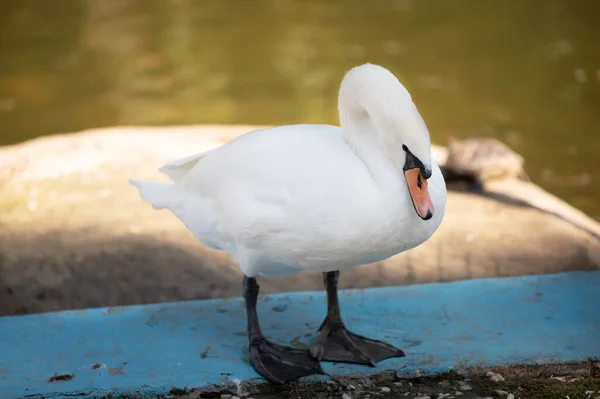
x=524, y=71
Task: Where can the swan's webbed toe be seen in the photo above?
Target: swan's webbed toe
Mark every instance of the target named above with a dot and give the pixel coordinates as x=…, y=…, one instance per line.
x=280, y=364
x=341, y=345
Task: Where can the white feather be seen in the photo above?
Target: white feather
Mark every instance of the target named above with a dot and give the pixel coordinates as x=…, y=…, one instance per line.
x=180, y=167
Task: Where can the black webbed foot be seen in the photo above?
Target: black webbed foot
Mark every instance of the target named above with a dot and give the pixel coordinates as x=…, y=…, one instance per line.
x=337, y=344
x=279, y=364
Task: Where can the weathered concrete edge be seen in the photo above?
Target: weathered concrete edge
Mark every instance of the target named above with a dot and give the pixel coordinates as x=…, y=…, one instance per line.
x=511, y=287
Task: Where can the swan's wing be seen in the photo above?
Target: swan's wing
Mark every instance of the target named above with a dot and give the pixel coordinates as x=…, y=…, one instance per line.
x=180, y=167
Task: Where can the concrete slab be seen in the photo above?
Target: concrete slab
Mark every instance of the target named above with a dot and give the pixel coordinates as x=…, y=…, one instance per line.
x=151, y=349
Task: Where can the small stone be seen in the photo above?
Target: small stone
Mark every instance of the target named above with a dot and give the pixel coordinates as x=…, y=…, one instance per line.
x=501, y=393
x=385, y=389
x=465, y=387
x=346, y=396
x=443, y=395
x=398, y=383
x=423, y=397
x=225, y=396
x=458, y=393
x=510, y=396
x=496, y=377
x=235, y=397
x=351, y=387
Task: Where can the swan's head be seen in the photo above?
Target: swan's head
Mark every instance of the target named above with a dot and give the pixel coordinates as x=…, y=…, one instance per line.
x=373, y=99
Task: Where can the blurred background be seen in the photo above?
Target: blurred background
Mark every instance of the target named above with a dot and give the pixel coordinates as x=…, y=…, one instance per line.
x=525, y=72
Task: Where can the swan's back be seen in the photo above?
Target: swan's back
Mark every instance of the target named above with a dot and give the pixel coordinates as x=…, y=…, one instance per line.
x=297, y=160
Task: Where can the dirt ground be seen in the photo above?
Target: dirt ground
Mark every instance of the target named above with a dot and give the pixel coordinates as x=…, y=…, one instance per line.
x=564, y=381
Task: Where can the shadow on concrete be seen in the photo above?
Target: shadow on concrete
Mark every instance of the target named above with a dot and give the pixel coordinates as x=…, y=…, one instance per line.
x=62, y=271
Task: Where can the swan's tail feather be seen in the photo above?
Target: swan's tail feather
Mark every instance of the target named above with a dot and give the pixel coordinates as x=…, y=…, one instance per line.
x=159, y=195
x=177, y=169
x=195, y=212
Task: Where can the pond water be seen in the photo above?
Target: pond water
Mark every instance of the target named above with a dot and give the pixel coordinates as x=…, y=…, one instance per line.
x=526, y=72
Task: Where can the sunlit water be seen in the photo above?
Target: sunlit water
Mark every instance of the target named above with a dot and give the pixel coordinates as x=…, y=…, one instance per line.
x=526, y=72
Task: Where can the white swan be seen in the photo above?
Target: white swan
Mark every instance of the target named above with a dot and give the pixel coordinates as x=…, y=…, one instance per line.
x=314, y=197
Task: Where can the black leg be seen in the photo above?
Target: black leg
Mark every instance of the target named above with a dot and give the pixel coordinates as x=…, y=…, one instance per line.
x=277, y=363
x=336, y=344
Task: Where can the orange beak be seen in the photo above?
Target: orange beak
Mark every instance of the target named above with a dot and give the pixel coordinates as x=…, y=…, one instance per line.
x=417, y=186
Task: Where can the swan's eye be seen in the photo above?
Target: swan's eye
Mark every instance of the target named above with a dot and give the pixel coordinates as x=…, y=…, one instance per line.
x=405, y=148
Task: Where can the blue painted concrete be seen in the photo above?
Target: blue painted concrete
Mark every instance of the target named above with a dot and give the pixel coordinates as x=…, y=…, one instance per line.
x=151, y=349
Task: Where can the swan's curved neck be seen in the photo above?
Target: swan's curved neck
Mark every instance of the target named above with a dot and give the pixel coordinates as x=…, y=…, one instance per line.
x=365, y=136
